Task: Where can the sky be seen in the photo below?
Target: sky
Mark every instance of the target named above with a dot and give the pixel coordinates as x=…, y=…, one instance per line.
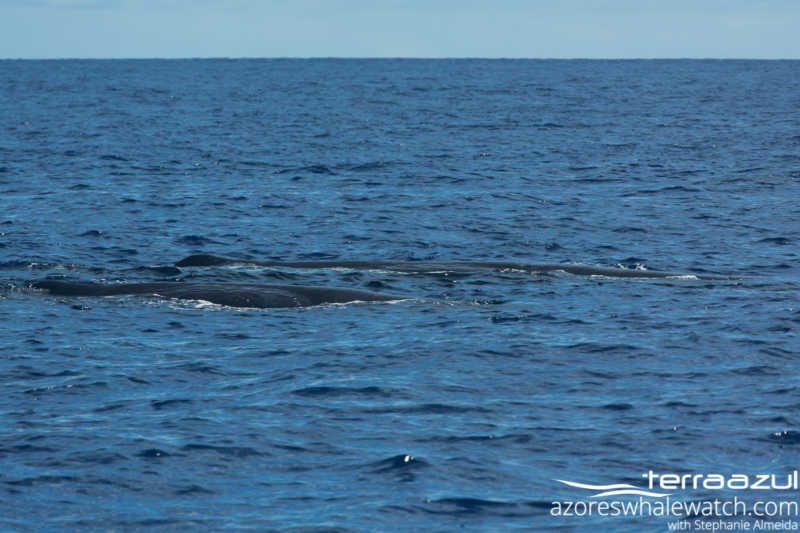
x=400, y=28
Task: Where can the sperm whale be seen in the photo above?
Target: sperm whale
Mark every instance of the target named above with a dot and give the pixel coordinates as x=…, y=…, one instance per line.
x=228, y=294
x=201, y=260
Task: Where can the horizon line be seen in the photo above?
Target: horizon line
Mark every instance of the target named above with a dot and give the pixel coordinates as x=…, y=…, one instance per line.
x=424, y=58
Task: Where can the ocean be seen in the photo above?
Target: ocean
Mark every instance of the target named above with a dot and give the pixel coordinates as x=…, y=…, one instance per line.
x=459, y=407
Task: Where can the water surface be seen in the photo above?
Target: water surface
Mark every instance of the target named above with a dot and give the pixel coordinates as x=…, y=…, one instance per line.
x=455, y=409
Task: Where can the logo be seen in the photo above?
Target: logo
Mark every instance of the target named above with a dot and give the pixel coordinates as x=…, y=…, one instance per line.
x=769, y=503
x=619, y=489
x=682, y=482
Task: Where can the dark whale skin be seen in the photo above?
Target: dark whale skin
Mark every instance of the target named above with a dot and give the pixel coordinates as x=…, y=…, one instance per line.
x=228, y=294
x=199, y=260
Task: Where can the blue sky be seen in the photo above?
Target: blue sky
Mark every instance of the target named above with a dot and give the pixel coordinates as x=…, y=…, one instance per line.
x=400, y=28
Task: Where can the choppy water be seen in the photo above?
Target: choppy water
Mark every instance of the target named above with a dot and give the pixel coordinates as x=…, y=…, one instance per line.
x=454, y=410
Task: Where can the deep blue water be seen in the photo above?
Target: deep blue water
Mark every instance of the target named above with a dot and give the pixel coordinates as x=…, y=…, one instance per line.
x=130, y=413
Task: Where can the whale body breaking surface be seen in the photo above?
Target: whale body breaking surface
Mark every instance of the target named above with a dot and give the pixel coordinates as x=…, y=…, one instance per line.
x=201, y=260
x=272, y=296
x=227, y=294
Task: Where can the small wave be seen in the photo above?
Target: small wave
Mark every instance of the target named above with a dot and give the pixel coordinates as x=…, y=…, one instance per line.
x=431, y=408
x=592, y=347
x=780, y=241
x=26, y=265
x=327, y=392
x=163, y=404
x=368, y=166
x=191, y=490
x=27, y=448
x=629, y=229
x=480, y=506
x=633, y=263
x=205, y=305
x=402, y=462
x=785, y=437
x=618, y=406
x=325, y=305
x=233, y=451
x=195, y=240
x=232, y=336
x=514, y=438
x=314, y=169
x=199, y=367
x=114, y=406
x=43, y=480
x=112, y=157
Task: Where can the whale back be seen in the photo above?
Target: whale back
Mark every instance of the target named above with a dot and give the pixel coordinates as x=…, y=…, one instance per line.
x=232, y=295
x=461, y=267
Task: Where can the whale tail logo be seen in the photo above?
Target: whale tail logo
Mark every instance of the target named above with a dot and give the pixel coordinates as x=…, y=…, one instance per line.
x=618, y=489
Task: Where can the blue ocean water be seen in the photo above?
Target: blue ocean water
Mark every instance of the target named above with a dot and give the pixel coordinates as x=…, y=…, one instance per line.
x=454, y=410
